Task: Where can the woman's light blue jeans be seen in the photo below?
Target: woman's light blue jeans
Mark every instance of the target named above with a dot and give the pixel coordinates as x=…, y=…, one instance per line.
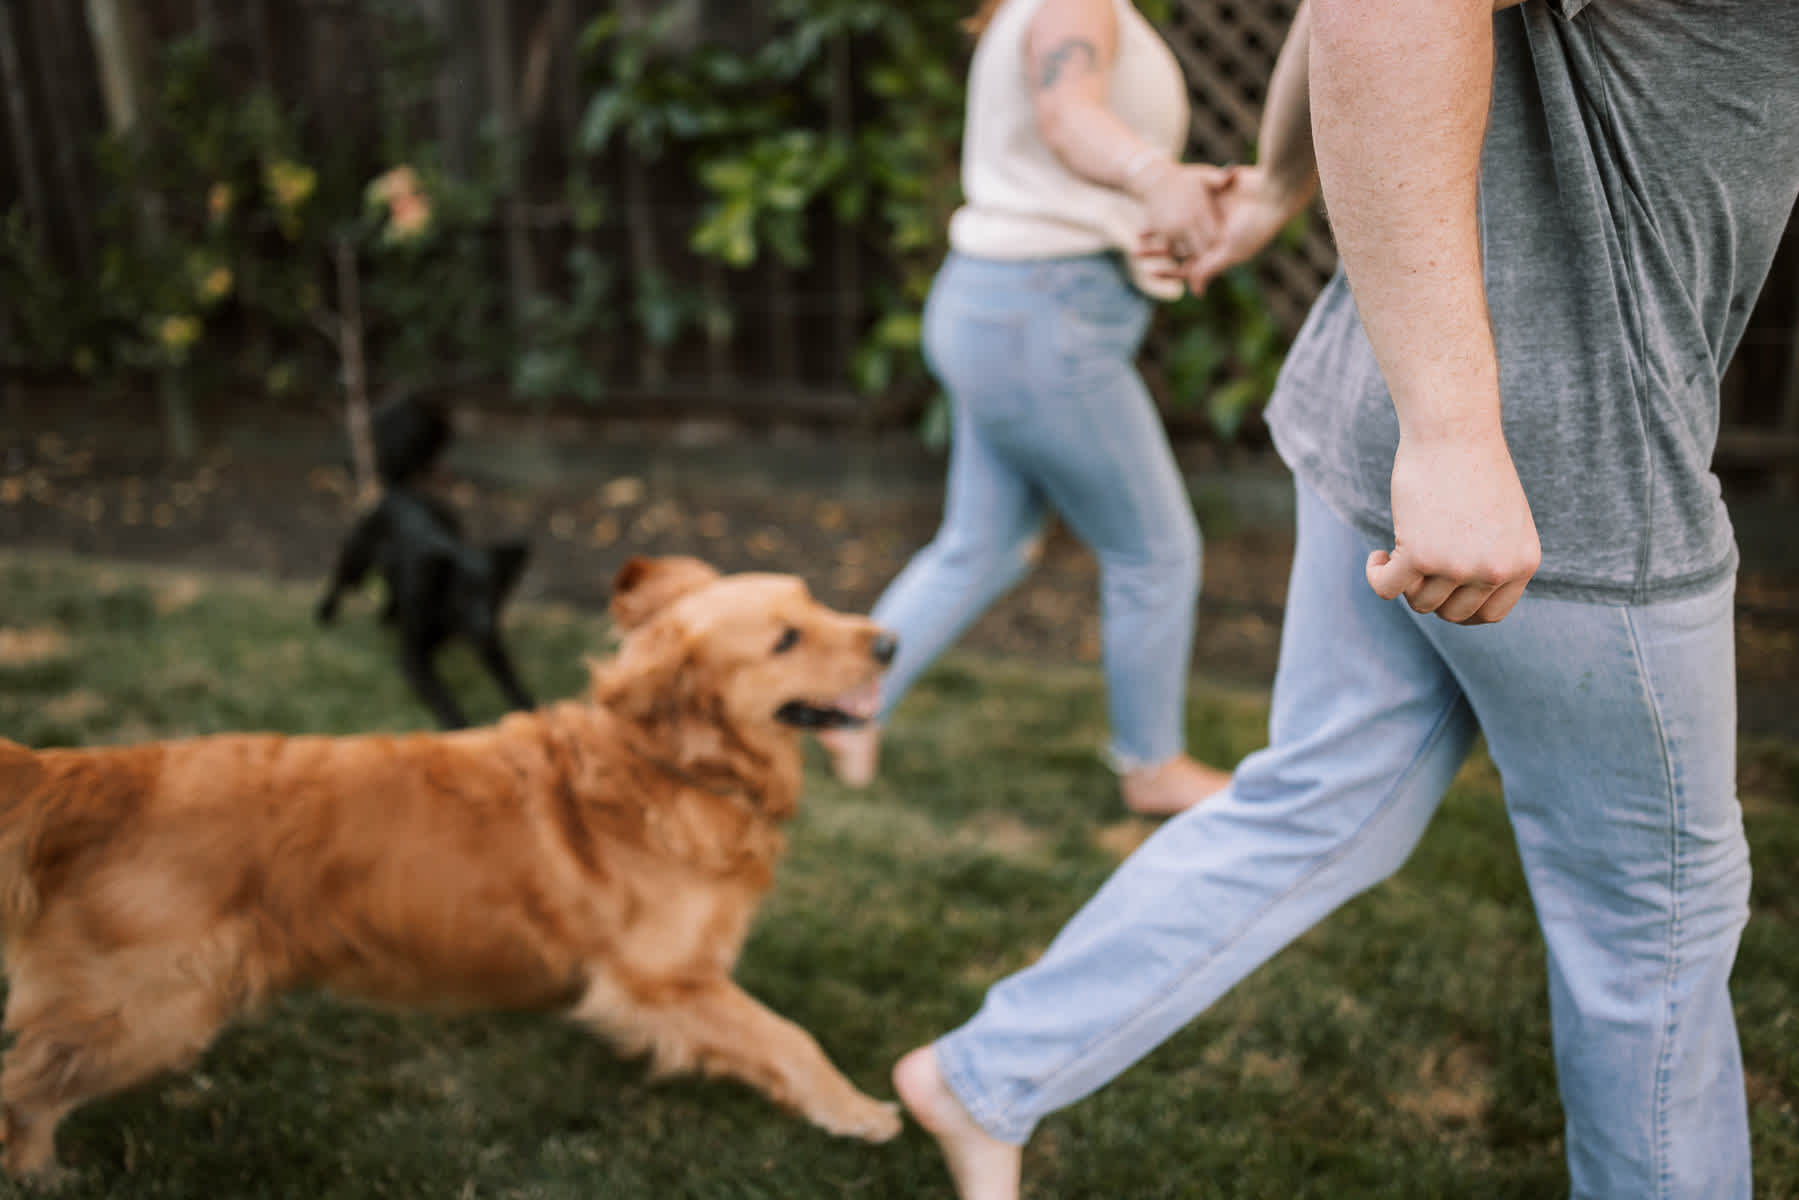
x=1614, y=731
x=1049, y=414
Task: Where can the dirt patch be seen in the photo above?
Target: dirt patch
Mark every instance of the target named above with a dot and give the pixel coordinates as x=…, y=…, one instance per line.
x=27, y=647
x=1004, y=835
x=177, y=592
x=1121, y=838
x=73, y=708
x=1454, y=1088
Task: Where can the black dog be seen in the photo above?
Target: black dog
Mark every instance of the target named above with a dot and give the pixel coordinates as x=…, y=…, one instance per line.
x=438, y=585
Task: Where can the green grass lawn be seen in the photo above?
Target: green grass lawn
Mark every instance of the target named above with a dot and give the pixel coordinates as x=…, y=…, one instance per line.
x=1401, y=1050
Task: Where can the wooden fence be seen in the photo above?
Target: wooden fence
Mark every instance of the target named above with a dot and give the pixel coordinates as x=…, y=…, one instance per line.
x=511, y=67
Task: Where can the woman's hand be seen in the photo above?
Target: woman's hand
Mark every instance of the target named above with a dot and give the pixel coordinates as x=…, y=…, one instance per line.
x=1243, y=209
x=1181, y=212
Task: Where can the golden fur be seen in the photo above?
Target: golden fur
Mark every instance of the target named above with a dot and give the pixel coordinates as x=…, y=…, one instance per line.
x=601, y=857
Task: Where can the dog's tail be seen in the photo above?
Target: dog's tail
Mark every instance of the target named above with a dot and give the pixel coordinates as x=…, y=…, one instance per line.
x=21, y=777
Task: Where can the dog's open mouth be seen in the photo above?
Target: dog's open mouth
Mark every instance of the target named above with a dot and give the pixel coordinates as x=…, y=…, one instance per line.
x=845, y=712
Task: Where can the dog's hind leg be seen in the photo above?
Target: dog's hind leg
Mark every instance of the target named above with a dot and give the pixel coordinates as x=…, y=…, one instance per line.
x=70, y=1047
x=499, y=665
x=716, y=1028
x=421, y=672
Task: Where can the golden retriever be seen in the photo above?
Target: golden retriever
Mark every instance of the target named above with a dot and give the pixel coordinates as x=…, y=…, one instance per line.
x=602, y=858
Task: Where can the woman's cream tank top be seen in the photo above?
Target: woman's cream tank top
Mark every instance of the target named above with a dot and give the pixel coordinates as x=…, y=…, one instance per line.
x=1020, y=201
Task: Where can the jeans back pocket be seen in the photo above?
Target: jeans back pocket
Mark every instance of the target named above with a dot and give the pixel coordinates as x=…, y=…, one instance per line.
x=1100, y=315
x=981, y=355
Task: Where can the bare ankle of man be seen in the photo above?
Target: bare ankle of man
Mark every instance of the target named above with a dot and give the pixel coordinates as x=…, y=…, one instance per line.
x=982, y=1166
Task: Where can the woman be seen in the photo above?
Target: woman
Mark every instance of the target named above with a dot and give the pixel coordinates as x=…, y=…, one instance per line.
x=1077, y=112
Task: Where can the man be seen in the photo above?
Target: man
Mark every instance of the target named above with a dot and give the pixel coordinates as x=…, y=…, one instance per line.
x=1553, y=220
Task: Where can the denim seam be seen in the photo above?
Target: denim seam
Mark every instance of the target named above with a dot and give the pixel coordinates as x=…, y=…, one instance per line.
x=1436, y=732
x=1665, y=1057
x=987, y=1113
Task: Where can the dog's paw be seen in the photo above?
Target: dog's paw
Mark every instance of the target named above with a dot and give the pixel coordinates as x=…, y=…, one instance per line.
x=41, y=1177
x=870, y=1120
x=325, y=613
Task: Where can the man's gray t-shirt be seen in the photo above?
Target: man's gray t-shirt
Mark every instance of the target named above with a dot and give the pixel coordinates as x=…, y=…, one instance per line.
x=1640, y=164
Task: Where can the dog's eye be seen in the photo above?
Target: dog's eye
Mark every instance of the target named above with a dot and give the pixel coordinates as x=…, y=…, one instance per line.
x=790, y=637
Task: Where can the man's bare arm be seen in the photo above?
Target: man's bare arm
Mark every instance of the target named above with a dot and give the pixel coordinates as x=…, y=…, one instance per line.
x=1399, y=95
x=1256, y=202
x=1400, y=91
x=1284, y=147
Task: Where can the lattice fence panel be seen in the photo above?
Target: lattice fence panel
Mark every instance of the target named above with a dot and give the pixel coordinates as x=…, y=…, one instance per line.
x=1227, y=49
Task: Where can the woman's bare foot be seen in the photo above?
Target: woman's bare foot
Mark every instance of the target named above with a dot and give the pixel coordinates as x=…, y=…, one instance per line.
x=854, y=753
x=983, y=1167
x=1171, y=787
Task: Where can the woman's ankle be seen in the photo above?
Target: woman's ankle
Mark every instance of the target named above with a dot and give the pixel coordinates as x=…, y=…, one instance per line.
x=1170, y=786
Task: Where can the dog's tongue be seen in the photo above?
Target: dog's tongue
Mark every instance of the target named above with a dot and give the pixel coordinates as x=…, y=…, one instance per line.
x=862, y=703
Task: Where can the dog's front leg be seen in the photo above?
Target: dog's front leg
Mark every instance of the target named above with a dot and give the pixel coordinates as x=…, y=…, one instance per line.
x=717, y=1028
x=353, y=563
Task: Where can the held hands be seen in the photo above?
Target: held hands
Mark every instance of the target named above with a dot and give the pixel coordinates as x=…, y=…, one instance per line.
x=1205, y=220
x=1181, y=212
x=1465, y=542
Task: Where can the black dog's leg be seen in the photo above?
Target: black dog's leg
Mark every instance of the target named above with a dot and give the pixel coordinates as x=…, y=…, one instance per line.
x=499, y=665
x=418, y=578
x=353, y=561
x=421, y=671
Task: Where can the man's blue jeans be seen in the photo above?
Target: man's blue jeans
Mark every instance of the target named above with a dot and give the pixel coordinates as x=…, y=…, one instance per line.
x=1049, y=413
x=1614, y=732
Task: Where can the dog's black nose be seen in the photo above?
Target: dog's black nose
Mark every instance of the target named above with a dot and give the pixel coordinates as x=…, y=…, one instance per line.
x=884, y=648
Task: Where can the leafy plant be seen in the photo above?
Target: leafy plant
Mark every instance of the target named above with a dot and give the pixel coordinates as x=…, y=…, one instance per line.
x=552, y=360
x=229, y=216
x=754, y=128
x=1223, y=350
x=758, y=134
x=222, y=239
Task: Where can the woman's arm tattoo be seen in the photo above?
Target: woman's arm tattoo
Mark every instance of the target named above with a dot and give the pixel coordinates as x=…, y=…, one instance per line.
x=1070, y=54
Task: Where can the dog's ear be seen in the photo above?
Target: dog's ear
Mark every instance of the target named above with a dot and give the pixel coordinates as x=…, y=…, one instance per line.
x=648, y=680
x=645, y=586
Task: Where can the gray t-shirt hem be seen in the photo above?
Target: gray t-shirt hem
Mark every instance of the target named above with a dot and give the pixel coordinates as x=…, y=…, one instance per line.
x=1377, y=528
x=1629, y=209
